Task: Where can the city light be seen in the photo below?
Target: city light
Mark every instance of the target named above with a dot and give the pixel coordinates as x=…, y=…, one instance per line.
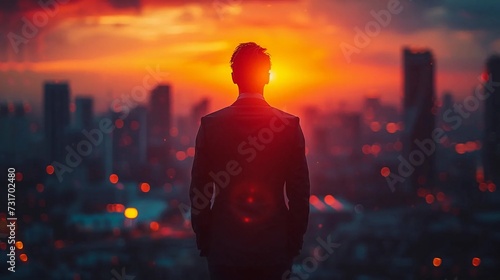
x=131, y=213
x=145, y=187
x=436, y=262
x=113, y=178
x=49, y=169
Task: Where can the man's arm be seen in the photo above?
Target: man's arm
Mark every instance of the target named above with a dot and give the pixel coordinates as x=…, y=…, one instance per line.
x=200, y=202
x=298, y=191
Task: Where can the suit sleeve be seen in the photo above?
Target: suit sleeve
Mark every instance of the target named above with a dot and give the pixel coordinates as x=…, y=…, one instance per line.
x=298, y=191
x=201, y=185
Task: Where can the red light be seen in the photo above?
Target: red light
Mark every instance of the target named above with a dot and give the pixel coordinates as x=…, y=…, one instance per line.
x=440, y=196
x=190, y=151
x=246, y=220
x=375, y=126
x=333, y=202
x=39, y=187
x=391, y=127
x=19, y=176
x=113, y=178
x=145, y=187
x=429, y=199
x=154, y=226
x=23, y=257
x=119, y=123
x=134, y=125
x=436, y=262
x=385, y=171
x=250, y=200
x=50, y=169
x=492, y=187
x=180, y=155
x=476, y=261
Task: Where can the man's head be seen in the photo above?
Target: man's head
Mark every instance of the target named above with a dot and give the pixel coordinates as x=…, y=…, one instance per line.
x=251, y=65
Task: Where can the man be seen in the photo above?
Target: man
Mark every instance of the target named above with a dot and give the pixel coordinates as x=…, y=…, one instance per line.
x=250, y=159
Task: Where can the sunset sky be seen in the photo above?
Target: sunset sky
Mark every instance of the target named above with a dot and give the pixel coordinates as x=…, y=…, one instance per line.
x=103, y=47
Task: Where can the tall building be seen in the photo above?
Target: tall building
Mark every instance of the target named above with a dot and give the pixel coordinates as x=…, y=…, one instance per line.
x=84, y=112
x=56, y=118
x=159, y=123
x=492, y=121
x=418, y=116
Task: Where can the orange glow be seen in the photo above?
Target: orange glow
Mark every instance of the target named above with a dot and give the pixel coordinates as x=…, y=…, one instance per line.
x=180, y=155
x=119, y=208
x=119, y=123
x=23, y=257
x=476, y=261
x=316, y=202
x=436, y=262
x=19, y=245
x=333, y=202
x=429, y=198
x=113, y=178
x=391, y=127
x=145, y=187
x=154, y=226
x=460, y=149
x=49, y=169
x=131, y=213
x=385, y=171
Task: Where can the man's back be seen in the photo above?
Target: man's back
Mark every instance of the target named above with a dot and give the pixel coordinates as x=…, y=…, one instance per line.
x=249, y=150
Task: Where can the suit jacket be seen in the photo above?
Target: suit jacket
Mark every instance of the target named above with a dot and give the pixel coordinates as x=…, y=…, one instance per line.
x=249, y=160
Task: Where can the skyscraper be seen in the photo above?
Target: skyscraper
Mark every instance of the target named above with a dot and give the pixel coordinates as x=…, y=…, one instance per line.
x=84, y=112
x=56, y=117
x=492, y=121
x=419, y=120
x=159, y=123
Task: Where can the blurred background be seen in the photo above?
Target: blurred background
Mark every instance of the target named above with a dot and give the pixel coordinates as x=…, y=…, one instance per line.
x=100, y=102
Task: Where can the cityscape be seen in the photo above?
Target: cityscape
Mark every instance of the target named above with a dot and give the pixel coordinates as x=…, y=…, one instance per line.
x=105, y=194
x=101, y=103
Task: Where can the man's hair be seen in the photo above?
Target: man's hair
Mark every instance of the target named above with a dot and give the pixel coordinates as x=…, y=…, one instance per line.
x=249, y=58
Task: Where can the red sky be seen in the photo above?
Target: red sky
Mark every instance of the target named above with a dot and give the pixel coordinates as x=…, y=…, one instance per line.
x=103, y=48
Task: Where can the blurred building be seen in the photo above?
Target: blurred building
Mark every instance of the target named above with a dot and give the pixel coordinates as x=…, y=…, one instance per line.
x=84, y=112
x=56, y=117
x=492, y=121
x=159, y=123
x=418, y=117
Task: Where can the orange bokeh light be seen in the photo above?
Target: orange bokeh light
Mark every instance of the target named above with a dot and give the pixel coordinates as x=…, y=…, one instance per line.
x=436, y=262
x=154, y=226
x=145, y=187
x=429, y=198
x=23, y=257
x=113, y=178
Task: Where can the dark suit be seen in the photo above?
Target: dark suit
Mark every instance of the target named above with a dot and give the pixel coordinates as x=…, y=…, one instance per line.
x=248, y=151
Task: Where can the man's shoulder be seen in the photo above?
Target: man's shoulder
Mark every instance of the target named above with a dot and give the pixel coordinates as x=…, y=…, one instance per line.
x=229, y=111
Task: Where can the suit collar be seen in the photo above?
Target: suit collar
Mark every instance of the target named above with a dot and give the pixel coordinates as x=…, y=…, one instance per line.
x=250, y=102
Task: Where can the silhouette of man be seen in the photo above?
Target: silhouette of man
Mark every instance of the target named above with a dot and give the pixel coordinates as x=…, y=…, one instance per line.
x=250, y=181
